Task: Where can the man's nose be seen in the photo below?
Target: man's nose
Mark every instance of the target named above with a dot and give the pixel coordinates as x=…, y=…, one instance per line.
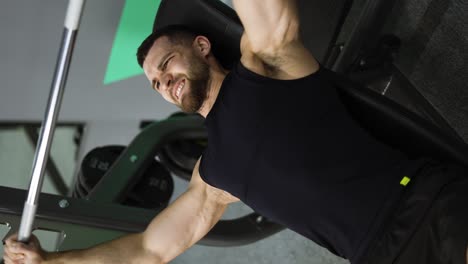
x=166, y=81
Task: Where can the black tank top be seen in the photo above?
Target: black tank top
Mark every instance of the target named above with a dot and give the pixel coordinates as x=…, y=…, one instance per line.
x=290, y=151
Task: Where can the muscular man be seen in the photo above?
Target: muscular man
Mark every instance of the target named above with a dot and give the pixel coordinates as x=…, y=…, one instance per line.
x=280, y=140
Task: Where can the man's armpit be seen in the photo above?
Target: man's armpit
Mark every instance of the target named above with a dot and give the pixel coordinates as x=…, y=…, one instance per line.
x=272, y=63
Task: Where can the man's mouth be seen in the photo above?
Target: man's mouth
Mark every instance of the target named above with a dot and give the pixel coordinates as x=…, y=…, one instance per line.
x=179, y=89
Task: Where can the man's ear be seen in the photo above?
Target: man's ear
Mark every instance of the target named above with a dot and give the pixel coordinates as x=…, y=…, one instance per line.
x=203, y=45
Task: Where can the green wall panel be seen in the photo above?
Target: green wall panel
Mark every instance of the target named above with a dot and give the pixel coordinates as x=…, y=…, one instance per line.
x=135, y=24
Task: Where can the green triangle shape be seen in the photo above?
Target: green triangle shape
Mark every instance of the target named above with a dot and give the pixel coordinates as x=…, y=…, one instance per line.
x=135, y=25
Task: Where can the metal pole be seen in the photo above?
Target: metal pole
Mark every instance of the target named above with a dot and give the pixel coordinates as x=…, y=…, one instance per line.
x=72, y=21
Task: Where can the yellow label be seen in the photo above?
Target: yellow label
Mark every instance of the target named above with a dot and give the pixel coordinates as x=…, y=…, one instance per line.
x=405, y=181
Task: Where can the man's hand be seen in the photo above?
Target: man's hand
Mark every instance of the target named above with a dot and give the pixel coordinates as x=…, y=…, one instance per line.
x=15, y=252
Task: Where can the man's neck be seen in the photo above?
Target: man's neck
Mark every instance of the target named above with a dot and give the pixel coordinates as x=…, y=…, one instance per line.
x=214, y=86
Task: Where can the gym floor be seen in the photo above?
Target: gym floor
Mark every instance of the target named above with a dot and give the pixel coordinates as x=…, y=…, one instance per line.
x=433, y=57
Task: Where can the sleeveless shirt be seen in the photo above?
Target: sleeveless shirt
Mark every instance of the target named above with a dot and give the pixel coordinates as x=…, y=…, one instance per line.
x=291, y=151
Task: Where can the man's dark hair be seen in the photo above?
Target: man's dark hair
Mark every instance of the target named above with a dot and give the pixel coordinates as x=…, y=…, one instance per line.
x=177, y=34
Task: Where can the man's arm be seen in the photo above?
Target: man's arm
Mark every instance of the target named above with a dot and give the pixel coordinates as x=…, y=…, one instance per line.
x=271, y=44
x=189, y=219
x=169, y=234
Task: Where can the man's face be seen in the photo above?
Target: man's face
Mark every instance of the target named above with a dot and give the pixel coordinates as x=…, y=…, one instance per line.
x=178, y=73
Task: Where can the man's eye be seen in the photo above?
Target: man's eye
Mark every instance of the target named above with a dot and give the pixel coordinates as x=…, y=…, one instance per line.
x=165, y=63
x=157, y=85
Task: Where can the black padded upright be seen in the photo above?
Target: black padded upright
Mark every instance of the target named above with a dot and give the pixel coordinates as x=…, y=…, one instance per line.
x=396, y=126
x=321, y=22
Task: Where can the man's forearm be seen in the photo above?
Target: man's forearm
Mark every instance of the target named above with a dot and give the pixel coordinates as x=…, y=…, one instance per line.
x=127, y=249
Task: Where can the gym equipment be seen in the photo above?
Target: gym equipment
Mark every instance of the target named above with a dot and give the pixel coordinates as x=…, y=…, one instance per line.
x=153, y=191
x=51, y=168
x=180, y=156
x=95, y=164
x=72, y=21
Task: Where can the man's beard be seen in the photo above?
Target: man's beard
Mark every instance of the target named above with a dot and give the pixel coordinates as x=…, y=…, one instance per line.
x=198, y=77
